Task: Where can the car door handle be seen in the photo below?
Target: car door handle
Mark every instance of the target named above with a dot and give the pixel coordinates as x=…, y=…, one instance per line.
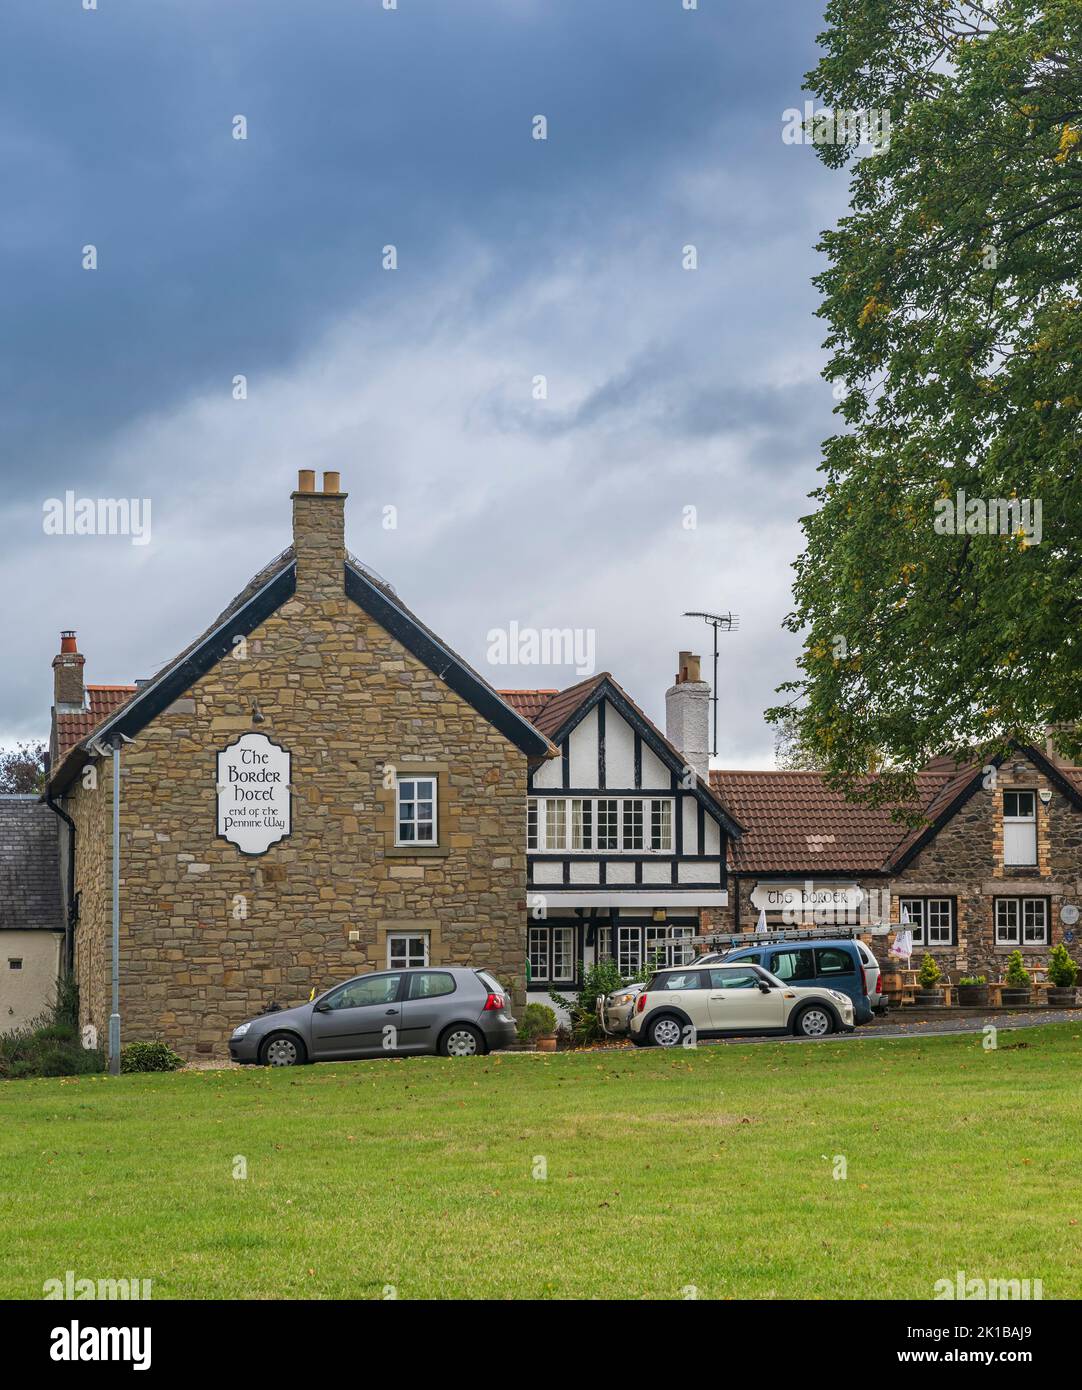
x=391, y=1011
x=717, y=996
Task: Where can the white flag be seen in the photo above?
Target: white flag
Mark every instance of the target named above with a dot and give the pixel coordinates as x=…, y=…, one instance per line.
x=760, y=925
x=902, y=946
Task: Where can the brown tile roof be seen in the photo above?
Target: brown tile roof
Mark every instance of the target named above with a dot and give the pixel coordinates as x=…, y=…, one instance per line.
x=102, y=700
x=528, y=703
x=796, y=823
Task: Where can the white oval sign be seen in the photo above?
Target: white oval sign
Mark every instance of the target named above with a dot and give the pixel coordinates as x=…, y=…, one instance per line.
x=254, y=810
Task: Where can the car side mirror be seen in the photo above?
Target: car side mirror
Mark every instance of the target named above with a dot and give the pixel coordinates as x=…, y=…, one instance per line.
x=321, y=1008
x=764, y=987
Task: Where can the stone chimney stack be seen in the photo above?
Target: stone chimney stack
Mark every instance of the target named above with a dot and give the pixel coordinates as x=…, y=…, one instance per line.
x=69, y=697
x=319, y=536
x=687, y=714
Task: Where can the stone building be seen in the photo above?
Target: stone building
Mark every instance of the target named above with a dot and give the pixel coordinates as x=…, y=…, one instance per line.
x=994, y=866
x=316, y=786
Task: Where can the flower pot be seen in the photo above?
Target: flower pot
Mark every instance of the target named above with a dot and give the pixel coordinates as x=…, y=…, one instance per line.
x=929, y=996
x=1061, y=997
x=973, y=996
x=1014, y=995
x=547, y=1044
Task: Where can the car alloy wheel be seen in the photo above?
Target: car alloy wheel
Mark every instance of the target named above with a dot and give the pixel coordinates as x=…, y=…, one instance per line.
x=461, y=1042
x=665, y=1032
x=815, y=1023
x=282, y=1052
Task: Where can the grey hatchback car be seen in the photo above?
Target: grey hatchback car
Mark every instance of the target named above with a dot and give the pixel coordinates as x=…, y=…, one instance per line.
x=451, y=1010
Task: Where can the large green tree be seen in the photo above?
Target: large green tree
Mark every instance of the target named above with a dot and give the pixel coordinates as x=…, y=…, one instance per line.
x=952, y=294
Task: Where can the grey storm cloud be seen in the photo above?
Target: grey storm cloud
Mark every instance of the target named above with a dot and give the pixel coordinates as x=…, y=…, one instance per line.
x=667, y=389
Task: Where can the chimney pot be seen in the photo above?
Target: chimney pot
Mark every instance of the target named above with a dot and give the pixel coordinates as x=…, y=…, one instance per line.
x=332, y=482
x=67, y=641
x=306, y=480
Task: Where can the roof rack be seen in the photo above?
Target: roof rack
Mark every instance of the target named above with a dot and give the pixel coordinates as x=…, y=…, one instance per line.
x=775, y=934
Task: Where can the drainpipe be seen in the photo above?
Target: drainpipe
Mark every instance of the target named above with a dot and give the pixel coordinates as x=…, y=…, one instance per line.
x=114, y=1017
x=72, y=908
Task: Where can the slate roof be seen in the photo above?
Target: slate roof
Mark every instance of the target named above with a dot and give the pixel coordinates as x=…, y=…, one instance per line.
x=29, y=865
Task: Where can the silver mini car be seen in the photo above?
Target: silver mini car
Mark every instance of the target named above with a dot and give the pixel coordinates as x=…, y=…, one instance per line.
x=451, y=1010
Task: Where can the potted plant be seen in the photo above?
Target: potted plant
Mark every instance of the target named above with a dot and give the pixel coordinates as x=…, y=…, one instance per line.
x=1016, y=981
x=538, y=1026
x=973, y=990
x=1062, y=975
x=928, y=981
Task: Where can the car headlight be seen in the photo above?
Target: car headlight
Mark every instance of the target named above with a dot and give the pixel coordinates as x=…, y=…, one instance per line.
x=240, y=1032
x=841, y=998
x=624, y=998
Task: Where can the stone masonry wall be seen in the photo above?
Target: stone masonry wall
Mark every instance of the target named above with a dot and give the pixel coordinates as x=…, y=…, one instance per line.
x=209, y=936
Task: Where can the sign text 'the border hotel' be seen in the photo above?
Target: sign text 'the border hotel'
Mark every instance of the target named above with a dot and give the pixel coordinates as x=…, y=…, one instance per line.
x=254, y=808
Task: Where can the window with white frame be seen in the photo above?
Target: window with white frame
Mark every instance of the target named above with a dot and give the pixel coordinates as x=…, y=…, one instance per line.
x=582, y=823
x=931, y=920
x=1019, y=827
x=604, y=943
x=652, y=945
x=1021, y=921
x=605, y=825
x=406, y=949
x=551, y=953
x=416, y=811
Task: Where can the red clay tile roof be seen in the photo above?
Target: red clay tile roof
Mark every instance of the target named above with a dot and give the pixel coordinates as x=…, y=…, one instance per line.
x=102, y=700
x=528, y=703
x=796, y=823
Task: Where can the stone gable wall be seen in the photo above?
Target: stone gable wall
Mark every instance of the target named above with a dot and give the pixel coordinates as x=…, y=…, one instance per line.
x=209, y=935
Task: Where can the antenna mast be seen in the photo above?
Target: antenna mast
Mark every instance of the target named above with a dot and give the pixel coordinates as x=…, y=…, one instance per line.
x=720, y=622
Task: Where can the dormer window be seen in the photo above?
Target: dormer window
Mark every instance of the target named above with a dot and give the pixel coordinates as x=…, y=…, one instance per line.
x=1019, y=828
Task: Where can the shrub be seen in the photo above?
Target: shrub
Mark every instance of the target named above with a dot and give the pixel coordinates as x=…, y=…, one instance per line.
x=930, y=973
x=50, y=1045
x=1062, y=970
x=538, y=1021
x=1017, y=975
x=601, y=978
x=149, y=1056
x=973, y=980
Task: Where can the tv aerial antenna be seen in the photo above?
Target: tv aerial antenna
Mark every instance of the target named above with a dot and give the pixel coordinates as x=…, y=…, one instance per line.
x=720, y=622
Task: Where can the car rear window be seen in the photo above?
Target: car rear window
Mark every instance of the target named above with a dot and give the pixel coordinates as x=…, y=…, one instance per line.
x=678, y=979
x=490, y=982
x=429, y=984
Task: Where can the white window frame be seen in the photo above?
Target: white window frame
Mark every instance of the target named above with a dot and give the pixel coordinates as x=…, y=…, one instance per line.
x=638, y=943
x=592, y=825
x=1020, y=851
x=406, y=960
x=550, y=949
x=417, y=780
x=919, y=910
x=1014, y=935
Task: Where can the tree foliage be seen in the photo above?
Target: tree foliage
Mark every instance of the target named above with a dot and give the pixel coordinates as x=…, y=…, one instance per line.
x=22, y=768
x=955, y=336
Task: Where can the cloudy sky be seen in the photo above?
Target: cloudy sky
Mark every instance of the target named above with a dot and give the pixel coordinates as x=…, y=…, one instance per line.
x=667, y=388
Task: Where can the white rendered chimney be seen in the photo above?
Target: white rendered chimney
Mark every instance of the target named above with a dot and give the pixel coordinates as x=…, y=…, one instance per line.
x=687, y=714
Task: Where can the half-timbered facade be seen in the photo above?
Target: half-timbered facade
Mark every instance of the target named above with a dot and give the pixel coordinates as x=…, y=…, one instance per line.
x=626, y=842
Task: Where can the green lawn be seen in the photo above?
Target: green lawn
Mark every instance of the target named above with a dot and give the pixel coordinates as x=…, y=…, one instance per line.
x=709, y=1168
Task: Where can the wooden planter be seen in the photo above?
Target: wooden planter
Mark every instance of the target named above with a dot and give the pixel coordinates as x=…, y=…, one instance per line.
x=929, y=996
x=1014, y=995
x=1062, y=996
x=547, y=1044
x=973, y=996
